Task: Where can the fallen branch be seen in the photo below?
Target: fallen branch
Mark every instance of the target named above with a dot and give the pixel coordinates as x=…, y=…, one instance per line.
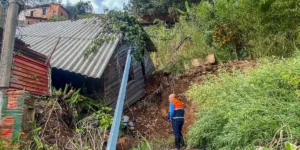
x=69, y=95
x=48, y=118
x=182, y=41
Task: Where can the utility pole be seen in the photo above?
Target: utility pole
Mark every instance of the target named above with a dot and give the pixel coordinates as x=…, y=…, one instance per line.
x=8, y=43
x=114, y=131
x=8, y=47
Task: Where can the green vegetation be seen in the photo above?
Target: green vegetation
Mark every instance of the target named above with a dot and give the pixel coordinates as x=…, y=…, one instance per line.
x=56, y=18
x=124, y=24
x=146, y=7
x=80, y=8
x=3, y=7
x=154, y=144
x=231, y=29
x=178, y=45
x=84, y=122
x=97, y=43
x=143, y=145
x=242, y=111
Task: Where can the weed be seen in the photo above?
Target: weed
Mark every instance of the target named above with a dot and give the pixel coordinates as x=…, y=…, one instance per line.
x=241, y=111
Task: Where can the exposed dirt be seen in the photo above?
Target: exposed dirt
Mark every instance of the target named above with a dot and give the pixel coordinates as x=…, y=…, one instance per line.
x=151, y=113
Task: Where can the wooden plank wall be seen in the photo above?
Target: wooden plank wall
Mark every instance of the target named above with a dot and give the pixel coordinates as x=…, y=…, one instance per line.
x=113, y=77
x=149, y=66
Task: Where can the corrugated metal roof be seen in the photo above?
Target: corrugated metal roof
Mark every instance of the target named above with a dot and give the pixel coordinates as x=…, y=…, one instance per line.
x=76, y=37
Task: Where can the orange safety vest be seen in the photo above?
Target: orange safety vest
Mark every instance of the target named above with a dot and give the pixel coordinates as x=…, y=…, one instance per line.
x=178, y=113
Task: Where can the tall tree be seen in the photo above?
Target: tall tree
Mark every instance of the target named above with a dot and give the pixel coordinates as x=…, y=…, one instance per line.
x=70, y=7
x=84, y=7
x=3, y=7
x=150, y=7
x=80, y=8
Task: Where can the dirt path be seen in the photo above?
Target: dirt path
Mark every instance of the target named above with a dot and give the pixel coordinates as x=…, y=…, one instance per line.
x=151, y=114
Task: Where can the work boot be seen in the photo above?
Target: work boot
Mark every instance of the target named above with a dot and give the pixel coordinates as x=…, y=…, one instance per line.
x=177, y=143
x=182, y=142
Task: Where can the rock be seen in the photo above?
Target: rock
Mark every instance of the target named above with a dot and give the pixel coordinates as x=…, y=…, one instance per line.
x=211, y=59
x=125, y=143
x=196, y=62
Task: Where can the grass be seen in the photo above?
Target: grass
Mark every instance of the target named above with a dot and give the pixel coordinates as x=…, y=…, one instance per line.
x=161, y=144
x=243, y=111
x=155, y=144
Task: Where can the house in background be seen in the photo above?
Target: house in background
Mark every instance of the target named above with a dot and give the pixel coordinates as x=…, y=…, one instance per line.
x=42, y=13
x=102, y=71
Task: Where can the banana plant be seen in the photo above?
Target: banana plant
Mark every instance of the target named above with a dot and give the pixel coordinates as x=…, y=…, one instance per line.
x=188, y=10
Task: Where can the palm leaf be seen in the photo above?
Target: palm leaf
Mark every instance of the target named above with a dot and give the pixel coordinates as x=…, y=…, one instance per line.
x=187, y=7
x=180, y=11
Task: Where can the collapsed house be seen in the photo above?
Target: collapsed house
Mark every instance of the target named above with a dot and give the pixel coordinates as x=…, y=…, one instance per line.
x=98, y=74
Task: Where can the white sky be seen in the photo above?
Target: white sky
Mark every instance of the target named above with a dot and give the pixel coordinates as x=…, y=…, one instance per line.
x=100, y=5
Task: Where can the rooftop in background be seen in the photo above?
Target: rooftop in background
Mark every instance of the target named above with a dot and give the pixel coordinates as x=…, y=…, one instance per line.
x=43, y=13
x=76, y=38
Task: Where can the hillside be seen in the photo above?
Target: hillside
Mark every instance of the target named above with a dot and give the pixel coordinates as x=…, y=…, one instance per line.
x=233, y=66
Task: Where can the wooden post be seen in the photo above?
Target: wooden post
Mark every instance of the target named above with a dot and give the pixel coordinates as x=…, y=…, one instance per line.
x=8, y=43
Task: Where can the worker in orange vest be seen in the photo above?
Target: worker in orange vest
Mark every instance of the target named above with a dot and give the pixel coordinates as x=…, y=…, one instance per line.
x=176, y=116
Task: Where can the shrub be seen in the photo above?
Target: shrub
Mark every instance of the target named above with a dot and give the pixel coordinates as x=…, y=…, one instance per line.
x=231, y=29
x=178, y=45
x=245, y=110
x=56, y=18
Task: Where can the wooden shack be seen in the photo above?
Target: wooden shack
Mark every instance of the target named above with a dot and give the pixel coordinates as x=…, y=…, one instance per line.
x=101, y=72
x=114, y=72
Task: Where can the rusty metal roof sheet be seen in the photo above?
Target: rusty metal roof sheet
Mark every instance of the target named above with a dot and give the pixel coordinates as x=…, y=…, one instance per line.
x=76, y=37
x=30, y=75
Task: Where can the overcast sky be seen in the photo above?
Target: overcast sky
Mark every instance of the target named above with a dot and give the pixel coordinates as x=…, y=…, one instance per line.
x=100, y=5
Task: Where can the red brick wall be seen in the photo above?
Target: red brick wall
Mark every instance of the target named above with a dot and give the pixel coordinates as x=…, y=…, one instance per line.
x=53, y=9
x=56, y=9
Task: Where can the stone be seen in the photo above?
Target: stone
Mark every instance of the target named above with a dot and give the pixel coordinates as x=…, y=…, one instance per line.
x=211, y=59
x=125, y=143
x=196, y=62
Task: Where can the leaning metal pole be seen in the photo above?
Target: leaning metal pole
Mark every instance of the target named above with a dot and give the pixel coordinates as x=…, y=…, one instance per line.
x=114, y=131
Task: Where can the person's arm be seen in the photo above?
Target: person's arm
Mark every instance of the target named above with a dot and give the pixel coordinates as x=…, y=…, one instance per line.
x=171, y=111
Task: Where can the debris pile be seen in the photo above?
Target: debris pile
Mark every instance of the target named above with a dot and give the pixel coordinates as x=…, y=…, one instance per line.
x=55, y=120
x=69, y=120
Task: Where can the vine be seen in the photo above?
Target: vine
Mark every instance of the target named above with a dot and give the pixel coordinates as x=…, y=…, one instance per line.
x=97, y=43
x=134, y=35
x=121, y=22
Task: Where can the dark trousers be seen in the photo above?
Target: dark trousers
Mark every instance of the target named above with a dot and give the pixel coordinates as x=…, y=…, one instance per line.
x=177, y=128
